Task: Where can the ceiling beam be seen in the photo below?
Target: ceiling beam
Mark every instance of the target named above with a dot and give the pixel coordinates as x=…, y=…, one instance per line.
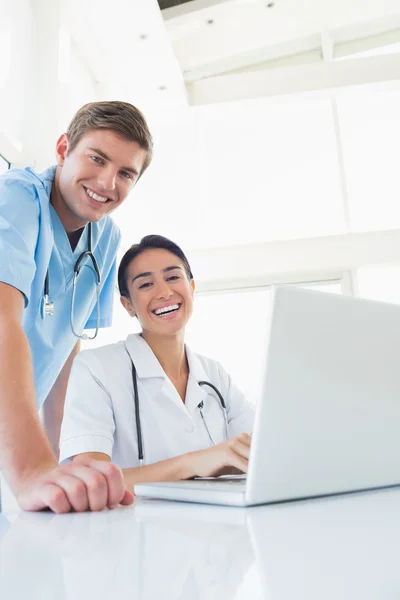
x=292, y=260
x=327, y=46
x=292, y=80
x=253, y=57
x=363, y=44
x=323, y=46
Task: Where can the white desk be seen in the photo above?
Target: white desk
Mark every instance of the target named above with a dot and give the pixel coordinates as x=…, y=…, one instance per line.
x=340, y=548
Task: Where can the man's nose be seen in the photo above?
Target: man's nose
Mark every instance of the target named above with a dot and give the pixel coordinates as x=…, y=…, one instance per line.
x=107, y=178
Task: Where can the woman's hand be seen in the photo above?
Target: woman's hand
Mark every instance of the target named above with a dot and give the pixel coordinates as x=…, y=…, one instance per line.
x=231, y=456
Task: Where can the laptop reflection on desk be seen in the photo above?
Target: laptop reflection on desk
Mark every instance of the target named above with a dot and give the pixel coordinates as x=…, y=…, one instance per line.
x=343, y=547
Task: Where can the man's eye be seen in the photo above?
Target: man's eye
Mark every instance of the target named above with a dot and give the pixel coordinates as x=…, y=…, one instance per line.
x=97, y=159
x=126, y=174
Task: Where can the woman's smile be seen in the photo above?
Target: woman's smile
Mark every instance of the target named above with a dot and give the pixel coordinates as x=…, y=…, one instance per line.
x=168, y=311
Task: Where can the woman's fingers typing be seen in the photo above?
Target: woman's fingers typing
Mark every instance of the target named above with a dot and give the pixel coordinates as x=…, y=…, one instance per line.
x=231, y=453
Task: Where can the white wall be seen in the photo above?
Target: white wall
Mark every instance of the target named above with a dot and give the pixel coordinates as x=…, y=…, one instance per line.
x=77, y=86
x=16, y=73
x=37, y=98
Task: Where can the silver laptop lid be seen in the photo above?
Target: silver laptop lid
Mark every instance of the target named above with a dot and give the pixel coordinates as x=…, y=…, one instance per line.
x=329, y=418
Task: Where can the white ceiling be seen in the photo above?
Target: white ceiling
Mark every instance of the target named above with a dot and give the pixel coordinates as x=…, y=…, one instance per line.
x=157, y=59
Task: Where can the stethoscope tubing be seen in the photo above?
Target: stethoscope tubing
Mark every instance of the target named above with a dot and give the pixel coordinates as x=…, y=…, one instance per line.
x=137, y=415
x=48, y=307
x=139, y=434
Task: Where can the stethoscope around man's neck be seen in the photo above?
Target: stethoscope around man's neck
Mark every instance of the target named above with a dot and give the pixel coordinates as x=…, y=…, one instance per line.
x=200, y=406
x=48, y=307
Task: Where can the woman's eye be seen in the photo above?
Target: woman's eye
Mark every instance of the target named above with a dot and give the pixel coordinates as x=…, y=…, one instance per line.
x=173, y=277
x=144, y=285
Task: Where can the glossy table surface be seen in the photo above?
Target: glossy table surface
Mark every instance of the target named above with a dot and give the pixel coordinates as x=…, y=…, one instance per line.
x=340, y=547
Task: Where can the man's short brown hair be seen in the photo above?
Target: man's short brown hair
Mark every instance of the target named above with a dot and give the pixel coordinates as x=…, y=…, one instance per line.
x=121, y=117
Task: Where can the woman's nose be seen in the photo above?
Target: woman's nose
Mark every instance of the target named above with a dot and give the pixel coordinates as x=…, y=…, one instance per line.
x=163, y=290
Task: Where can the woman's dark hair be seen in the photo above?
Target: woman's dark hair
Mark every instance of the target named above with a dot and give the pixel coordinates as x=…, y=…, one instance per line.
x=149, y=242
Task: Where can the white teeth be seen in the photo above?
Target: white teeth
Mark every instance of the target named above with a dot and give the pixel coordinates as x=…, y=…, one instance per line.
x=166, y=309
x=96, y=196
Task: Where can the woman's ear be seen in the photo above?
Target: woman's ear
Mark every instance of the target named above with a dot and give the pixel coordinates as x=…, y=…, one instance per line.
x=192, y=286
x=127, y=306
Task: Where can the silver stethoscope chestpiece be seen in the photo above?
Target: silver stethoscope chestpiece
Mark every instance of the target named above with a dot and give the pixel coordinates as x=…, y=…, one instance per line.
x=47, y=307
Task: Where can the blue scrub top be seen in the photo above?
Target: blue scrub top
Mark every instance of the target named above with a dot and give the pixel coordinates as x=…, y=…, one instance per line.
x=32, y=240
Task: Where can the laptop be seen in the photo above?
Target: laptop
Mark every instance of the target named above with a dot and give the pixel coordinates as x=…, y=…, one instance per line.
x=328, y=419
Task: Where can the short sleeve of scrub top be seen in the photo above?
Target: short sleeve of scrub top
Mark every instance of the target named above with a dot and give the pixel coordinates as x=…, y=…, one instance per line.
x=19, y=227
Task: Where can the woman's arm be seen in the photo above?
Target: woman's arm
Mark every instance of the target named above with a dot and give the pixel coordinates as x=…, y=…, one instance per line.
x=211, y=462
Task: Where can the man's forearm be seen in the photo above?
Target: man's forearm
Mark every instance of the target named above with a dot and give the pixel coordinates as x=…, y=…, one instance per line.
x=24, y=447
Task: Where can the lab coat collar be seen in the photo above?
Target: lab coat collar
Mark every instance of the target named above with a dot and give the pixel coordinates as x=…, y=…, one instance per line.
x=143, y=357
x=196, y=369
x=147, y=364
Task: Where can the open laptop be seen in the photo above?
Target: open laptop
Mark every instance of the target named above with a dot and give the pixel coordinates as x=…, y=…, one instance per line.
x=328, y=419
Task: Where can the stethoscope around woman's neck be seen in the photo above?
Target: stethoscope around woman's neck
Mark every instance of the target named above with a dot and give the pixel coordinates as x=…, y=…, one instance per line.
x=200, y=406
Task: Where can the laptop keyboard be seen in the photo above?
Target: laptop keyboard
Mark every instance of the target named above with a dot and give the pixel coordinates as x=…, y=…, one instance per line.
x=225, y=478
x=217, y=483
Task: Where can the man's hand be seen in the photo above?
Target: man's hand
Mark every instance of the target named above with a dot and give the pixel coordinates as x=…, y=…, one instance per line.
x=87, y=485
x=228, y=457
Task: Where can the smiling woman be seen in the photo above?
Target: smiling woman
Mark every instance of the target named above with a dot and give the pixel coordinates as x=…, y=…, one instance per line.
x=192, y=420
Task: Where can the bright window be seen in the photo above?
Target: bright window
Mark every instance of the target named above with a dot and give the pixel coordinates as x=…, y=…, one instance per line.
x=380, y=283
x=370, y=130
x=241, y=173
x=232, y=327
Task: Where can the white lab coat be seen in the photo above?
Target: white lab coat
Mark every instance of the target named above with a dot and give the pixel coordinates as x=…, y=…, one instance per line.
x=99, y=413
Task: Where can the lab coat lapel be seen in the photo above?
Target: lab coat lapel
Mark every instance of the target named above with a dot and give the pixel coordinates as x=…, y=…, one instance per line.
x=147, y=366
x=195, y=394
x=143, y=357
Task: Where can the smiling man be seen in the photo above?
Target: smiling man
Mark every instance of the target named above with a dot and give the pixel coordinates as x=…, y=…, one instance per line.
x=58, y=248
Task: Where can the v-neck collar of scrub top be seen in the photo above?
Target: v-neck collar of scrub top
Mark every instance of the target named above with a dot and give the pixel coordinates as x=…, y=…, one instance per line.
x=148, y=366
x=67, y=255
